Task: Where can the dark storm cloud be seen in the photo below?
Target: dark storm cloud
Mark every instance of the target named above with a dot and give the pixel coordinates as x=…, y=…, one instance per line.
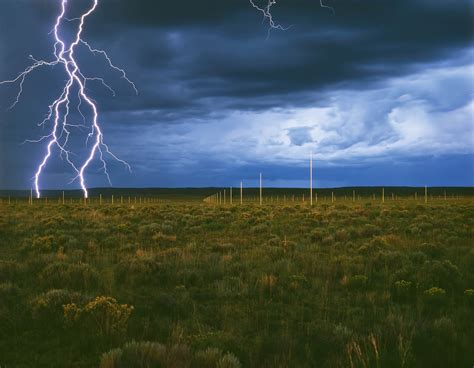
x=222, y=53
x=182, y=52
x=196, y=62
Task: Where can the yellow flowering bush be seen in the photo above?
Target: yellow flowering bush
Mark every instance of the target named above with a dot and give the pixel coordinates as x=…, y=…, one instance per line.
x=103, y=315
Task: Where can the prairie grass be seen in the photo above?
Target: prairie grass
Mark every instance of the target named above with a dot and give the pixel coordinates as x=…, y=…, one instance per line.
x=196, y=285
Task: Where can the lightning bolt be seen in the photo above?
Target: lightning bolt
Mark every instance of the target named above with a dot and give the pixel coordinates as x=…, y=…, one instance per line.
x=327, y=7
x=59, y=109
x=267, y=14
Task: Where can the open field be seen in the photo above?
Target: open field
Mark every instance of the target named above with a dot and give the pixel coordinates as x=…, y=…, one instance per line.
x=173, y=195
x=343, y=284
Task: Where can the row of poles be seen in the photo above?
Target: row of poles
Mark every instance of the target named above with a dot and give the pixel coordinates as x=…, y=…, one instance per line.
x=227, y=197
x=221, y=196
x=98, y=200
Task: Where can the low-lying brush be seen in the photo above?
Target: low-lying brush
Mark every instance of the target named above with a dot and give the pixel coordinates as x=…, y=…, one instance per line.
x=195, y=285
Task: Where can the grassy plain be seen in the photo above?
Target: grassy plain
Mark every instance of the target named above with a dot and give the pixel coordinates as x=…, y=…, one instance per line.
x=190, y=284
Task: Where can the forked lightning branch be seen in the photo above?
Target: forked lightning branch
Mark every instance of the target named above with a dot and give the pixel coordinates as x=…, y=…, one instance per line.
x=57, y=118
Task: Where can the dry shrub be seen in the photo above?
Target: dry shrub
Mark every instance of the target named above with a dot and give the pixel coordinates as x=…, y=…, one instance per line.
x=76, y=276
x=102, y=316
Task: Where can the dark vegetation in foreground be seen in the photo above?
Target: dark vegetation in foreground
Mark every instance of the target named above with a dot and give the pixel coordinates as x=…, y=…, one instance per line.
x=194, y=285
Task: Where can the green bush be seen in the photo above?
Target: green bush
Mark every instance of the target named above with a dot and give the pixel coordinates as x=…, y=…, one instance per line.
x=327, y=240
x=317, y=235
x=323, y=340
x=9, y=270
x=143, y=354
x=179, y=355
x=102, y=316
x=435, y=296
x=43, y=243
x=47, y=307
x=369, y=230
x=357, y=282
x=137, y=271
x=431, y=250
x=435, y=343
x=149, y=229
x=403, y=291
x=442, y=273
x=274, y=241
x=112, y=359
x=10, y=295
x=341, y=235
x=260, y=229
x=229, y=360
x=12, y=309
x=80, y=276
x=418, y=258
x=147, y=354
x=469, y=296
x=208, y=358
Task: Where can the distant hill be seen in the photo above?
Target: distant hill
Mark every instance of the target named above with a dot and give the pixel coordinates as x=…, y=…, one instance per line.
x=200, y=193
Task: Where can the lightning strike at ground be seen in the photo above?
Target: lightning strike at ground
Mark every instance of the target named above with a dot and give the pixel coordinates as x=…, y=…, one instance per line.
x=59, y=109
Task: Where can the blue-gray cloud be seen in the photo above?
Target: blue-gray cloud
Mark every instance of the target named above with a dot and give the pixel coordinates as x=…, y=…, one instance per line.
x=377, y=82
x=300, y=136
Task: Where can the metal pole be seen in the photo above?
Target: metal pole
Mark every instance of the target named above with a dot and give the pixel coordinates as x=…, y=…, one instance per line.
x=311, y=178
x=241, y=193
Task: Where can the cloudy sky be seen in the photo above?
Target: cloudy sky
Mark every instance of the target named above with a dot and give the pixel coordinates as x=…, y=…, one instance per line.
x=381, y=92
